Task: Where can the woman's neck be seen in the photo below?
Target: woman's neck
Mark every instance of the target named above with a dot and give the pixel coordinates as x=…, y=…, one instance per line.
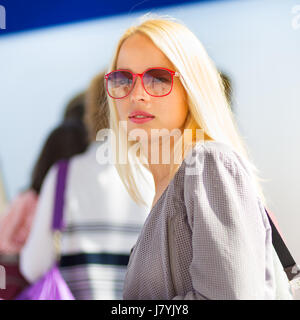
x=160, y=157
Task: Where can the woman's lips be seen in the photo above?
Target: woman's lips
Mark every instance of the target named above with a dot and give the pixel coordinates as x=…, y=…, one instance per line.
x=140, y=120
x=140, y=116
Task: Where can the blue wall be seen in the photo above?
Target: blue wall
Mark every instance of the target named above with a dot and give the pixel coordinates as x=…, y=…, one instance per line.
x=33, y=14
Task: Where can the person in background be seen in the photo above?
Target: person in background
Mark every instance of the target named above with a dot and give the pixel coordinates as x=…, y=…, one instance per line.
x=3, y=199
x=75, y=108
x=66, y=140
x=102, y=221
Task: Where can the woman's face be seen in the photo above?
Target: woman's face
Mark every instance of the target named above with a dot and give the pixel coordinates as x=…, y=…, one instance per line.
x=137, y=54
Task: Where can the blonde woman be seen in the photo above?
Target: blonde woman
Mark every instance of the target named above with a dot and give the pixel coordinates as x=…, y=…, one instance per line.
x=207, y=235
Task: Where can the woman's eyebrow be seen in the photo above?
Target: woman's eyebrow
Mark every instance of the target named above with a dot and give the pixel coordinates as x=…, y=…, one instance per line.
x=153, y=67
x=124, y=68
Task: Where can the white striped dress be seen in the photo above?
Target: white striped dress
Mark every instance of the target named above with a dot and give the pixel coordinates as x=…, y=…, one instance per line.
x=102, y=225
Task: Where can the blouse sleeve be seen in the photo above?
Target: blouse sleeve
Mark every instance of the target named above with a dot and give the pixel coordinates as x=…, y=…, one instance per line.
x=230, y=235
x=38, y=254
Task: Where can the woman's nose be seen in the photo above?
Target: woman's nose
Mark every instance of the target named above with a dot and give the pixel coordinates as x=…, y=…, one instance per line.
x=138, y=90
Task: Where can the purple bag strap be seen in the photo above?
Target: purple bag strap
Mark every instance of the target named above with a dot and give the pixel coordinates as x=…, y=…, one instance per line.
x=57, y=222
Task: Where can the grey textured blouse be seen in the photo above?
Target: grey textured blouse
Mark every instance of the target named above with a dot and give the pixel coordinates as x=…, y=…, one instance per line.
x=207, y=237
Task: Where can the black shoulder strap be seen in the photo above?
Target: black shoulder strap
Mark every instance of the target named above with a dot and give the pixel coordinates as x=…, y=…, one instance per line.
x=284, y=255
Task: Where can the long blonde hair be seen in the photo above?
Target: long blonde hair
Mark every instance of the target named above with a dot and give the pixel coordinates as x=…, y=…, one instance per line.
x=209, y=109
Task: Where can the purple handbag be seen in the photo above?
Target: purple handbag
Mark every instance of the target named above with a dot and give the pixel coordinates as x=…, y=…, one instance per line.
x=52, y=286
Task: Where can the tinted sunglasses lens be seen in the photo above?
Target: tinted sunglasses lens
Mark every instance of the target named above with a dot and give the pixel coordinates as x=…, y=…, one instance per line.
x=158, y=82
x=119, y=83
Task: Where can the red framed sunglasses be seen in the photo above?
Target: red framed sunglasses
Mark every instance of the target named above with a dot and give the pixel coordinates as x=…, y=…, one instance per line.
x=157, y=82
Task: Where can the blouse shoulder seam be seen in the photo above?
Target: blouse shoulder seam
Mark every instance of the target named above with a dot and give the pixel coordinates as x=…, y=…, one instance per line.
x=217, y=149
x=220, y=152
